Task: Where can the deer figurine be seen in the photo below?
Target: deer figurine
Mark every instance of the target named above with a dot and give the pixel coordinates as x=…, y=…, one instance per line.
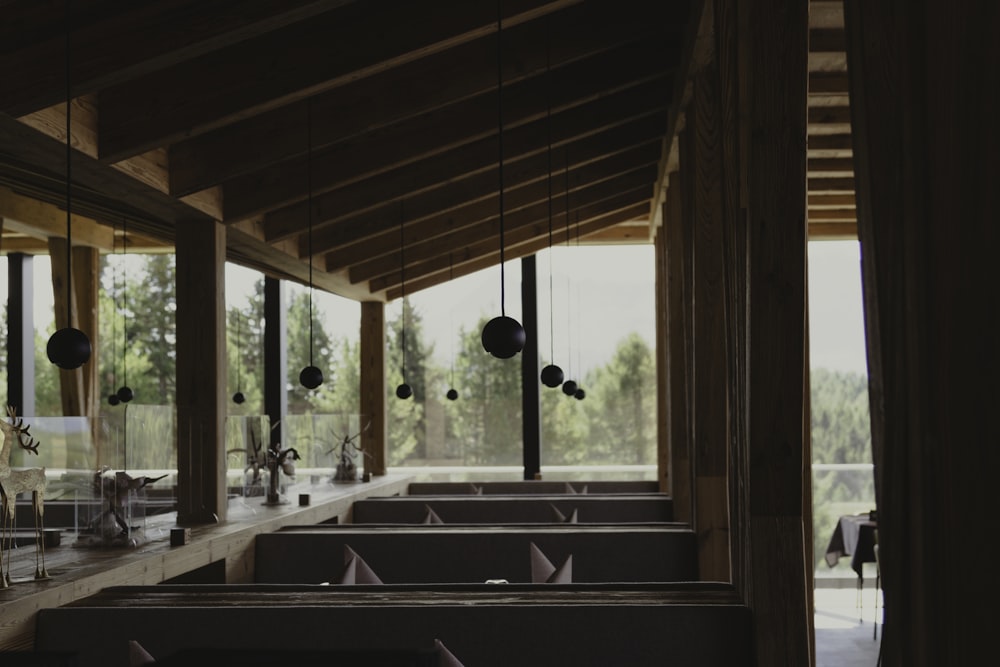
x=13, y=482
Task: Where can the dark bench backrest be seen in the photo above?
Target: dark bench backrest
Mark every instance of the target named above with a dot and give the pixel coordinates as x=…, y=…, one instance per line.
x=551, y=630
x=531, y=486
x=514, y=509
x=464, y=555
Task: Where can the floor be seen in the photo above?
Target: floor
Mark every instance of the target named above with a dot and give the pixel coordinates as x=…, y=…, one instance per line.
x=843, y=630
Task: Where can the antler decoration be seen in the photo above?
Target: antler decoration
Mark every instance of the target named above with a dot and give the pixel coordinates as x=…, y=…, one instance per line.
x=22, y=431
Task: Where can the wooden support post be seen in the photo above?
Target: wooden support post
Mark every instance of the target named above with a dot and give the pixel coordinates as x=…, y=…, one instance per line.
x=664, y=474
x=923, y=101
x=275, y=356
x=776, y=80
x=734, y=240
x=86, y=283
x=710, y=380
x=20, y=335
x=373, y=397
x=530, y=382
x=677, y=358
x=201, y=372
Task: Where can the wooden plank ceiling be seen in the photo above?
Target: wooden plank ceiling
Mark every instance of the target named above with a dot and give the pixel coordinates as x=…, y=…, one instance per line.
x=382, y=114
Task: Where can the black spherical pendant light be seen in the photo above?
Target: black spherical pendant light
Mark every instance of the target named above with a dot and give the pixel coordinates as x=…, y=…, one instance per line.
x=113, y=399
x=503, y=336
x=569, y=388
x=125, y=394
x=404, y=391
x=239, y=398
x=579, y=394
x=452, y=395
x=310, y=377
x=552, y=376
x=68, y=348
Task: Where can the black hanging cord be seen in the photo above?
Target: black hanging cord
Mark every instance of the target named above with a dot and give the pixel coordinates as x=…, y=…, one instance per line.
x=402, y=288
x=548, y=131
x=124, y=306
x=239, y=360
x=69, y=189
x=114, y=315
x=503, y=311
x=309, y=218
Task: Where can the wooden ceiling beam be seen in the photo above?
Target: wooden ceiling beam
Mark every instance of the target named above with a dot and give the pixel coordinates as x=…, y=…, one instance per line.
x=619, y=149
x=521, y=227
x=827, y=40
x=224, y=86
x=832, y=185
x=41, y=220
x=643, y=105
x=828, y=83
x=422, y=240
x=833, y=215
x=818, y=201
x=832, y=231
x=373, y=102
x=125, y=41
x=830, y=166
x=422, y=226
x=514, y=251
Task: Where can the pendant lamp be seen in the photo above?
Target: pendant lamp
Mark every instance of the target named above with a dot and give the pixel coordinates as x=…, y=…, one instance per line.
x=552, y=375
x=403, y=391
x=310, y=377
x=238, y=397
x=113, y=397
x=579, y=394
x=452, y=394
x=503, y=336
x=569, y=386
x=68, y=348
x=124, y=393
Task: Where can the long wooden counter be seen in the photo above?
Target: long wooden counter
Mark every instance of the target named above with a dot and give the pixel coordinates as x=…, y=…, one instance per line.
x=77, y=572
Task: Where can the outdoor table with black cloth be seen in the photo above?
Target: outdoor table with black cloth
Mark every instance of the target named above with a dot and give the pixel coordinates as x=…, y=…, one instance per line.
x=854, y=536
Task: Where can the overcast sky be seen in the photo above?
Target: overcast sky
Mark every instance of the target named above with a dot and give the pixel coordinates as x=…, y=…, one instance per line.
x=600, y=295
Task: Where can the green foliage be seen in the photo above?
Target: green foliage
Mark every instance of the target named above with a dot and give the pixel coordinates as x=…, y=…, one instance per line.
x=300, y=399
x=245, y=353
x=841, y=433
x=149, y=308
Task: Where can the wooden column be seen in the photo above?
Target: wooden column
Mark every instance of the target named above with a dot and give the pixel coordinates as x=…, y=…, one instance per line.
x=373, y=392
x=275, y=356
x=677, y=358
x=776, y=73
x=531, y=400
x=78, y=387
x=923, y=106
x=20, y=335
x=201, y=372
x=710, y=379
x=732, y=138
x=664, y=475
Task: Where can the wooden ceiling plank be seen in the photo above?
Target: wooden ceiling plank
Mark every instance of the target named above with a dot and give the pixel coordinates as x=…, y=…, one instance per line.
x=251, y=197
x=394, y=95
x=825, y=83
x=830, y=201
x=447, y=182
x=512, y=252
x=224, y=86
x=384, y=258
x=832, y=185
x=829, y=167
x=827, y=40
x=832, y=231
x=832, y=215
x=129, y=42
x=424, y=224
x=523, y=228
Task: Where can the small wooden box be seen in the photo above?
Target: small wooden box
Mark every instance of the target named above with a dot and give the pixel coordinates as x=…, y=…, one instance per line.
x=179, y=536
